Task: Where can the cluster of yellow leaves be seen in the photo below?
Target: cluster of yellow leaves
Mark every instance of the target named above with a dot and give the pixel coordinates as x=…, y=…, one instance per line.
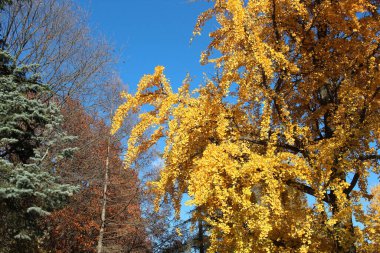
x=304, y=120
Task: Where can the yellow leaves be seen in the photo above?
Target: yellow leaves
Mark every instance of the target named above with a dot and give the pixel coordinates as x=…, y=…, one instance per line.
x=178, y=231
x=152, y=90
x=208, y=173
x=235, y=7
x=292, y=111
x=331, y=222
x=122, y=112
x=265, y=122
x=223, y=126
x=157, y=79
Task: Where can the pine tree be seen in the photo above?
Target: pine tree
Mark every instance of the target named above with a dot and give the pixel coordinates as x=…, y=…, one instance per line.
x=29, y=135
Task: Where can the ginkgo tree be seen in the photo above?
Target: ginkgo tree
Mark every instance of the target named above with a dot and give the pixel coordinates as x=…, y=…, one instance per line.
x=293, y=111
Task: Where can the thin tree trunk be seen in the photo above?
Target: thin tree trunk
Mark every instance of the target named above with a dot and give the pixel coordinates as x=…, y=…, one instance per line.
x=103, y=215
x=108, y=105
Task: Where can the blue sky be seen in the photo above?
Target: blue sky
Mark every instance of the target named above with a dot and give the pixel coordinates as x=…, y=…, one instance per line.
x=146, y=33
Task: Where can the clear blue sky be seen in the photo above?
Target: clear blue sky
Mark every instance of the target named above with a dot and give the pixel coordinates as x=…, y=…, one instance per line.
x=149, y=33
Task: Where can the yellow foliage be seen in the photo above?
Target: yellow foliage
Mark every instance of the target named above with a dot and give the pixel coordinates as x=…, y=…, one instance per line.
x=302, y=120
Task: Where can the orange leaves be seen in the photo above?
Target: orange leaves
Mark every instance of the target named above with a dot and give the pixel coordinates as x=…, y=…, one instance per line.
x=73, y=228
x=76, y=227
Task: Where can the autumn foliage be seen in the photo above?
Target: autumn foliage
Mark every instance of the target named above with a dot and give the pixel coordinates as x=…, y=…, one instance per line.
x=292, y=112
x=76, y=227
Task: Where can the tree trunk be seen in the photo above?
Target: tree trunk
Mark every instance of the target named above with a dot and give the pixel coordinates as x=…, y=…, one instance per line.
x=103, y=215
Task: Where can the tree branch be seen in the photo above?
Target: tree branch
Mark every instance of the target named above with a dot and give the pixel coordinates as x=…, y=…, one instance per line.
x=369, y=157
x=354, y=181
x=279, y=145
x=306, y=189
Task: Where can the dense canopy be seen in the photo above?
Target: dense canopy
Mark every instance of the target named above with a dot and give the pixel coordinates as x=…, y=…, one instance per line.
x=292, y=110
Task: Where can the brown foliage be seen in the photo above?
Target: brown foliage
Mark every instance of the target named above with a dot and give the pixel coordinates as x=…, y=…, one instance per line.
x=76, y=228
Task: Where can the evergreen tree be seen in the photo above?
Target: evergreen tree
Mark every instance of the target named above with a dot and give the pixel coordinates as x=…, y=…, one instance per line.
x=29, y=137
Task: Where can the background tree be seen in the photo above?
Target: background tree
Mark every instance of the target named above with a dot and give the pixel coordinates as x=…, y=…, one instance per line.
x=29, y=132
x=73, y=61
x=124, y=225
x=295, y=105
x=55, y=35
x=76, y=228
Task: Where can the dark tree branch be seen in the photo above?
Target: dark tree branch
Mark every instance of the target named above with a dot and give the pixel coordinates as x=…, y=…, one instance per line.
x=307, y=189
x=294, y=149
x=369, y=157
x=354, y=181
x=302, y=187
